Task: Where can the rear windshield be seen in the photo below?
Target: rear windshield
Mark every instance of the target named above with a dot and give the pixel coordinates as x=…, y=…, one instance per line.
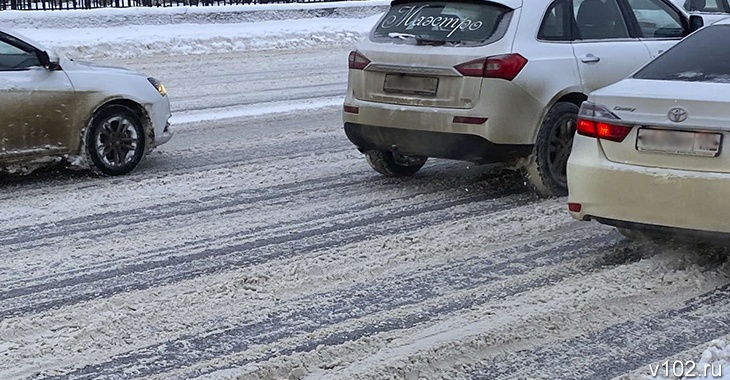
x=701, y=57
x=443, y=22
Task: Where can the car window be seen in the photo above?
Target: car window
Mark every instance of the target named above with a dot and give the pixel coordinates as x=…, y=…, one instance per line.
x=707, y=6
x=557, y=23
x=466, y=23
x=680, y=62
x=599, y=20
x=15, y=58
x=657, y=19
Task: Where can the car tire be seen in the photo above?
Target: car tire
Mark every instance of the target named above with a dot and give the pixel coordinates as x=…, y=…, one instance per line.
x=115, y=141
x=392, y=164
x=546, y=169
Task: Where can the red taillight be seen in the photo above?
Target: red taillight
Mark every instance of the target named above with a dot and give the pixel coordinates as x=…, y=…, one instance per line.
x=575, y=207
x=351, y=109
x=357, y=61
x=469, y=120
x=602, y=130
x=500, y=66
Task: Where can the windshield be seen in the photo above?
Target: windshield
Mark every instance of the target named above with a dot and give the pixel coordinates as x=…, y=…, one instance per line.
x=446, y=22
x=702, y=57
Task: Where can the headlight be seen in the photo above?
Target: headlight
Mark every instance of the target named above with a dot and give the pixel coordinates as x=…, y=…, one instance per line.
x=158, y=85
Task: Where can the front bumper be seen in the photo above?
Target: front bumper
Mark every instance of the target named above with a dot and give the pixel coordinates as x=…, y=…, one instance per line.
x=159, y=114
x=628, y=195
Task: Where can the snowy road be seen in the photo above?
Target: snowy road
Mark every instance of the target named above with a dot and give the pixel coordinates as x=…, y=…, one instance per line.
x=261, y=246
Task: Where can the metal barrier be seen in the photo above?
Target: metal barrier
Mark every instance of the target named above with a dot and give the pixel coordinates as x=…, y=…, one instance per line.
x=93, y=4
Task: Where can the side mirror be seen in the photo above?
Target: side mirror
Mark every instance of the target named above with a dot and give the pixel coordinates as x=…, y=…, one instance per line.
x=696, y=22
x=49, y=61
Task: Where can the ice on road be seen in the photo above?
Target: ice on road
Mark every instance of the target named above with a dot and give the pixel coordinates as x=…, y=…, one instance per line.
x=260, y=245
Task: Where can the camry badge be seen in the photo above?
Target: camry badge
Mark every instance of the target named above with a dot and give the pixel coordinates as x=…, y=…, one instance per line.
x=677, y=115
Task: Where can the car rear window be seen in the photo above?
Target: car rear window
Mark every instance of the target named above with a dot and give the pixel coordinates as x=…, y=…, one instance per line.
x=702, y=57
x=443, y=22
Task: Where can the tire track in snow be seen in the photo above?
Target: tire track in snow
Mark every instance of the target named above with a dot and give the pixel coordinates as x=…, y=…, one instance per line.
x=331, y=308
x=232, y=204
x=621, y=348
x=216, y=260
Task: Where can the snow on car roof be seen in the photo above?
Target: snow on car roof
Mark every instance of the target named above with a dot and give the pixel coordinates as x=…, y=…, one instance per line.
x=510, y=3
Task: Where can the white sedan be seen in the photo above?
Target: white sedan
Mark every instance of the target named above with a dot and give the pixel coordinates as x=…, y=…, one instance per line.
x=55, y=109
x=649, y=154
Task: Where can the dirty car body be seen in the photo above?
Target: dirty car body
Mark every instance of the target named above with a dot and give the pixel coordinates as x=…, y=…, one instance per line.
x=494, y=81
x=651, y=154
x=48, y=104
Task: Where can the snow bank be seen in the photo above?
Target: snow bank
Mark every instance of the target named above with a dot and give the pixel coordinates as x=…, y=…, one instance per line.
x=133, y=32
x=111, y=17
x=181, y=39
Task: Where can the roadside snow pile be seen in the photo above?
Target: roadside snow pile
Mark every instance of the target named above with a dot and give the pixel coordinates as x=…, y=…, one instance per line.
x=128, y=33
x=180, y=39
x=111, y=17
x=713, y=364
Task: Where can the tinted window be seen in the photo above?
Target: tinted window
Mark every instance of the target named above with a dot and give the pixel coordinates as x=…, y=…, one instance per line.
x=13, y=57
x=557, y=23
x=599, y=20
x=657, y=19
x=701, y=57
x=707, y=5
x=450, y=22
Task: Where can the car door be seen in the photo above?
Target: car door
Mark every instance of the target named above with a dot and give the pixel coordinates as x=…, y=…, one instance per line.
x=661, y=24
x=37, y=104
x=603, y=46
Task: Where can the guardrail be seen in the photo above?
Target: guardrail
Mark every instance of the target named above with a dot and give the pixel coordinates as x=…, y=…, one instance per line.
x=51, y=5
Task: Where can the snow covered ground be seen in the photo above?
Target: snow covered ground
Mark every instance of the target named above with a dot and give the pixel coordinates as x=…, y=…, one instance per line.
x=125, y=33
x=258, y=244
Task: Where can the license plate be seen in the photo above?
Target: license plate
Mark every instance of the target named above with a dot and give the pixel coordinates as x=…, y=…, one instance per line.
x=679, y=142
x=410, y=84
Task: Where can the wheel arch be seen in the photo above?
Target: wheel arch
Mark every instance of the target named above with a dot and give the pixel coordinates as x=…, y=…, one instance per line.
x=137, y=109
x=569, y=95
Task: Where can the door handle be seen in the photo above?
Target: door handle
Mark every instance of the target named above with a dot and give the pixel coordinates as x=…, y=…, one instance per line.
x=590, y=58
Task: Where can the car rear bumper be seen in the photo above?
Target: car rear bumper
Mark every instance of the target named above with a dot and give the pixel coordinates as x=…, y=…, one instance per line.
x=450, y=145
x=620, y=194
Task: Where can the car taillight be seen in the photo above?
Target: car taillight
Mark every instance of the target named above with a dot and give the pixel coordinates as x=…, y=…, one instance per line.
x=357, y=61
x=500, y=66
x=602, y=129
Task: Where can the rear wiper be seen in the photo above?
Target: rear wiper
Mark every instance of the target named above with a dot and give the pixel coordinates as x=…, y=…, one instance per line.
x=421, y=39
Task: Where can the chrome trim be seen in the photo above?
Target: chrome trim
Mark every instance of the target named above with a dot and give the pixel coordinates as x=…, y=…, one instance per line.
x=415, y=70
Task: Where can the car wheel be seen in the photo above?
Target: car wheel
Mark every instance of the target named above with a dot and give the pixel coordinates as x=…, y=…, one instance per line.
x=546, y=170
x=115, y=141
x=393, y=164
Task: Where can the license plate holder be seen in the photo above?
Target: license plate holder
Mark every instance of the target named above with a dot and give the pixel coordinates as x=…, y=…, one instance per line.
x=410, y=84
x=688, y=143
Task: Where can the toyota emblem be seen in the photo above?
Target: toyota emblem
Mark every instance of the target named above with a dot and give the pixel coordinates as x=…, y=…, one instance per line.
x=677, y=115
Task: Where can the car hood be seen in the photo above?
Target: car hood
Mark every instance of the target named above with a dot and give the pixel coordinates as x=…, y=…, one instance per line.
x=72, y=65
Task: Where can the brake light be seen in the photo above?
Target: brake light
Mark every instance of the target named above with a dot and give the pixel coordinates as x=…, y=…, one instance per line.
x=602, y=130
x=500, y=66
x=357, y=61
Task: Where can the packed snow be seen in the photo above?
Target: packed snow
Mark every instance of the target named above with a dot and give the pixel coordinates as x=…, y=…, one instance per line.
x=184, y=39
x=258, y=244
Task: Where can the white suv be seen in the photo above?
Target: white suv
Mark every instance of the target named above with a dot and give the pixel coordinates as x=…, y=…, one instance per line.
x=494, y=81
